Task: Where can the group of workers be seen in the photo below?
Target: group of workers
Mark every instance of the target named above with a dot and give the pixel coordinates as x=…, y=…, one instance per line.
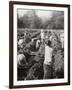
x=46, y=41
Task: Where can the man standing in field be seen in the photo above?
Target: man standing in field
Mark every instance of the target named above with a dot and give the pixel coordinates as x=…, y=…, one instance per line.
x=62, y=40
x=42, y=35
x=48, y=59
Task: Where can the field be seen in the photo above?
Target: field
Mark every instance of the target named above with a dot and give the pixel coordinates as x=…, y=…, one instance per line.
x=33, y=70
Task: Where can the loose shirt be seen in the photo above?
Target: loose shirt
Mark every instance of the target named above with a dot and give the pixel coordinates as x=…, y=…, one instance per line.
x=48, y=54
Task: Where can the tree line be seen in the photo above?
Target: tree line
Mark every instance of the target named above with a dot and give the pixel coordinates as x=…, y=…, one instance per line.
x=31, y=20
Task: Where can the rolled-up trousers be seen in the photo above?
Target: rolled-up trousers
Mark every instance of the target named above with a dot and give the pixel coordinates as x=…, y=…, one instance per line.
x=47, y=71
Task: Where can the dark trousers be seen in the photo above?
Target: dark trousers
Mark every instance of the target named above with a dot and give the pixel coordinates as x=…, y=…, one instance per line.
x=47, y=71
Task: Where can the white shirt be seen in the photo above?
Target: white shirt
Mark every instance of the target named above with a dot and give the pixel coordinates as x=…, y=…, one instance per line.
x=20, y=57
x=42, y=34
x=50, y=38
x=37, y=43
x=48, y=54
x=62, y=39
x=20, y=41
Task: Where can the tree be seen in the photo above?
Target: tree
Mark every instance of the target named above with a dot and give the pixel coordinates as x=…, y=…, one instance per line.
x=56, y=22
x=30, y=20
x=19, y=22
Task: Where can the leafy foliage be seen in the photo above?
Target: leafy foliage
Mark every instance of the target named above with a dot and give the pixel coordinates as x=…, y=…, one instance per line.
x=31, y=20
